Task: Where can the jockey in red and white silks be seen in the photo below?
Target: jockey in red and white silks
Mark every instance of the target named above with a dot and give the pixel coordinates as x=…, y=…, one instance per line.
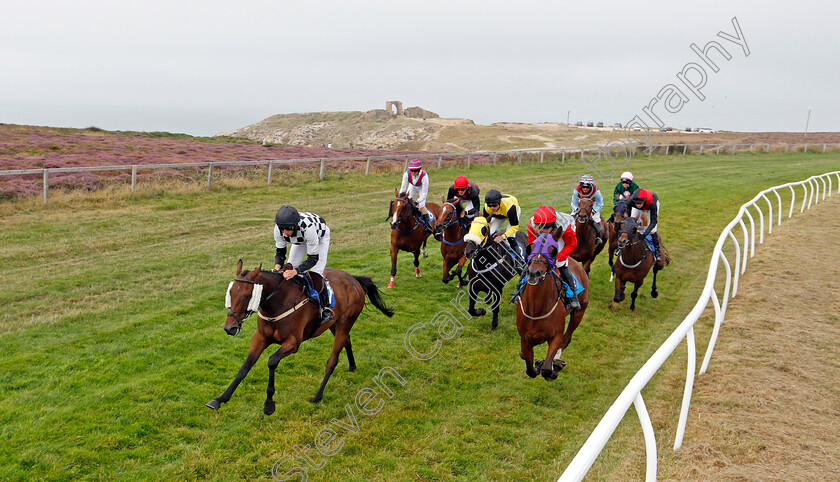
x=415, y=182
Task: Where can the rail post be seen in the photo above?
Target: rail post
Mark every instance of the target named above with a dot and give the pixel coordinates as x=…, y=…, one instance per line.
x=520, y=158
x=787, y=147
x=701, y=148
x=823, y=148
x=542, y=154
x=440, y=160
x=667, y=149
x=563, y=160
x=321, y=174
x=367, y=166
x=133, y=177
x=685, y=148
x=494, y=157
x=405, y=168
x=270, y=171
x=209, y=175
x=469, y=160
x=733, y=148
x=46, y=185
x=806, y=148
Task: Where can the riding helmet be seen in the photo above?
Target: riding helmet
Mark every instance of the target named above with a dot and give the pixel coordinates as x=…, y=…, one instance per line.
x=461, y=182
x=587, y=180
x=287, y=217
x=627, y=175
x=493, y=197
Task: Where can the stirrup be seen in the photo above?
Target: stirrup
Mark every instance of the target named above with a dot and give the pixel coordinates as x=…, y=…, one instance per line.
x=326, y=315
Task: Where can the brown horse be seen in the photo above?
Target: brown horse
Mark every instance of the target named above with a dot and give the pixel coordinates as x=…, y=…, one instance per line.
x=612, y=230
x=407, y=232
x=541, y=314
x=587, y=246
x=635, y=259
x=287, y=317
x=451, y=232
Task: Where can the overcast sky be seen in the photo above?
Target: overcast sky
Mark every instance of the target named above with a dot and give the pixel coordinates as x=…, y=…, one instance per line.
x=202, y=67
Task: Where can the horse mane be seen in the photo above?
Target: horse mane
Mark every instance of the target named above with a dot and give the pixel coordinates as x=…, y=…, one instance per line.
x=458, y=206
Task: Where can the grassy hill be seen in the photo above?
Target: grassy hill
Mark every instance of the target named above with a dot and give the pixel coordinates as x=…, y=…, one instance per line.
x=112, y=335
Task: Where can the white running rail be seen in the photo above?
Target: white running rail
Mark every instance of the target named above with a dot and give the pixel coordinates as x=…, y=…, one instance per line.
x=813, y=187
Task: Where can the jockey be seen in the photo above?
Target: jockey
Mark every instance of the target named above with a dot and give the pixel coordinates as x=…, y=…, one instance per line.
x=415, y=182
x=467, y=192
x=588, y=190
x=307, y=233
x=625, y=187
x=546, y=220
x=499, y=208
x=641, y=202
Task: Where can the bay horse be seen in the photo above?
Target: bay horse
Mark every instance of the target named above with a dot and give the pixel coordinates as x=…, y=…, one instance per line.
x=635, y=258
x=449, y=228
x=587, y=246
x=407, y=231
x=612, y=230
x=288, y=318
x=491, y=267
x=541, y=312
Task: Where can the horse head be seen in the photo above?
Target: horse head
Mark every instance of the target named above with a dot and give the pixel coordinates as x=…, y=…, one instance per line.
x=400, y=209
x=243, y=298
x=584, y=211
x=477, y=238
x=628, y=229
x=541, y=256
x=449, y=213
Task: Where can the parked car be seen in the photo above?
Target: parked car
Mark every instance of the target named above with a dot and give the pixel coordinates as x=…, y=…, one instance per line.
x=663, y=129
x=600, y=124
x=637, y=127
x=579, y=124
x=590, y=124
x=706, y=130
x=617, y=126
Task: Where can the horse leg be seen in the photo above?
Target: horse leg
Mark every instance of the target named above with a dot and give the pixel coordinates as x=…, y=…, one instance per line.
x=258, y=344
x=289, y=346
x=653, y=292
x=527, y=353
x=341, y=339
x=446, y=267
x=394, y=253
x=547, y=369
x=574, y=321
x=636, y=286
x=425, y=254
x=471, y=310
x=619, y=290
x=349, y=350
x=417, y=263
x=497, y=301
x=459, y=274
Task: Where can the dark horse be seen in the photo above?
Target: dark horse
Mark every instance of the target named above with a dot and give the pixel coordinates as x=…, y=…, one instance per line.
x=541, y=312
x=407, y=232
x=451, y=231
x=635, y=258
x=612, y=229
x=286, y=317
x=587, y=246
x=491, y=267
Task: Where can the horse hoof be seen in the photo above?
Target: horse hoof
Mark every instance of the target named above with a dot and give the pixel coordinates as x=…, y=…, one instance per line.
x=632, y=307
x=480, y=312
x=494, y=325
x=214, y=404
x=611, y=277
x=558, y=365
x=532, y=374
x=538, y=364
x=391, y=284
x=446, y=280
x=654, y=294
x=268, y=409
x=315, y=400
x=352, y=368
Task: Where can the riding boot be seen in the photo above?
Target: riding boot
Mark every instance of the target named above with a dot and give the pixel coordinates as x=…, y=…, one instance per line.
x=598, y=230
x=324, y=303
x=657, y=240
x=567, y=278
x=428, y=219
x=519, y=258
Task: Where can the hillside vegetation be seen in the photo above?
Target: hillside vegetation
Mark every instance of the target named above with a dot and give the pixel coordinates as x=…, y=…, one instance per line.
x=112, y=338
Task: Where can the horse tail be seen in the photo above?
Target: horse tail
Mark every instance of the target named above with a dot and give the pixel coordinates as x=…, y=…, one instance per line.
x=374, y=294
x=666, y=257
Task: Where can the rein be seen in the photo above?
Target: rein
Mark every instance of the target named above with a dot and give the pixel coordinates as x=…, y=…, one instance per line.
x=401, y=220
x=453, y=218
x=259, y=309
x=559, y=292
x=620, y=251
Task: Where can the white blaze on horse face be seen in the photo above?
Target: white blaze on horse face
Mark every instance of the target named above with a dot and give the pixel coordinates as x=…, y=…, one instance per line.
x=394, y=219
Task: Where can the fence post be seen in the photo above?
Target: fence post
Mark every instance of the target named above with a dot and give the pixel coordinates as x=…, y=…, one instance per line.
x=270, y=171
x=321, y=174
x=685, y=148
x=440, y=160
x=405, y=168
x=542, y=153
x=806, y=148
x=564, y=157
x=787, y=147
x=520, y=158
x=701, y=148
x=367, y=166
x=209, y=175
x=469, y=160
x=717, y=150
x=133, y=177
x=823, y=148
x=768, y=147
x=733, y=148
x=494, y=157
x=46, y=185
x=667, y=149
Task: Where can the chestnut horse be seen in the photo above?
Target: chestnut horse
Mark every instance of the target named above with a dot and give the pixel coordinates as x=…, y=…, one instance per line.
x=612, y=230
x=407, y=231
x=587, y=246
x=635, y=258
x=541, y=316
x=288, y=318
x=450, y=230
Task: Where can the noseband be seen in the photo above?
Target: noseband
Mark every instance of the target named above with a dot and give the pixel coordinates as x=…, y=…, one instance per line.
x=402, y=219
x=248, y=312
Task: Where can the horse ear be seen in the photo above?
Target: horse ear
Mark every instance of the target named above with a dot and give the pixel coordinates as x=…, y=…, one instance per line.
x=552, y=251
x=485, y=230
x=442, y=199
x=528, y=250
x=396, y=193
x=257, y=272
x=239, y=268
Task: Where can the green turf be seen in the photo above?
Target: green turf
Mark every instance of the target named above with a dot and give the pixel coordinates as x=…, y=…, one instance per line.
x=112, y=341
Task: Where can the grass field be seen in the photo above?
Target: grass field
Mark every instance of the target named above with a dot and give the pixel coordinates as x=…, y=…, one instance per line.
x=112, y=339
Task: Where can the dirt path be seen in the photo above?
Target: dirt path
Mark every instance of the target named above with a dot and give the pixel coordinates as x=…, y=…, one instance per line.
x=769, y=406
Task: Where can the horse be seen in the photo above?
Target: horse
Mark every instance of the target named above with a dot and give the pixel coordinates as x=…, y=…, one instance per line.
x=450, y=230
x=587, y=246
x=612, y=230
x=491, y=267
x=541, y=316
x=288, y=318
x=635, y=258
x=407, y=231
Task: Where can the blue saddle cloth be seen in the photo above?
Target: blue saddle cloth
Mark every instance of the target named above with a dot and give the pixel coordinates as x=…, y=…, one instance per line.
x=578, y=286
x=649, y=241
x=314, y=293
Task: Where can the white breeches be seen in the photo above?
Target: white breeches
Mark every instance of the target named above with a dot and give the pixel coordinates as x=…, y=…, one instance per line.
x=421, y=192
x=298, y=251
x=496, y=223
x=637, y=215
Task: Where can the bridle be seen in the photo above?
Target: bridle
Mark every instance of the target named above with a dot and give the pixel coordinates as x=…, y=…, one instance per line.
x=622, y=244
x=248, y=313
x=402, y=219
x=451, y=219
